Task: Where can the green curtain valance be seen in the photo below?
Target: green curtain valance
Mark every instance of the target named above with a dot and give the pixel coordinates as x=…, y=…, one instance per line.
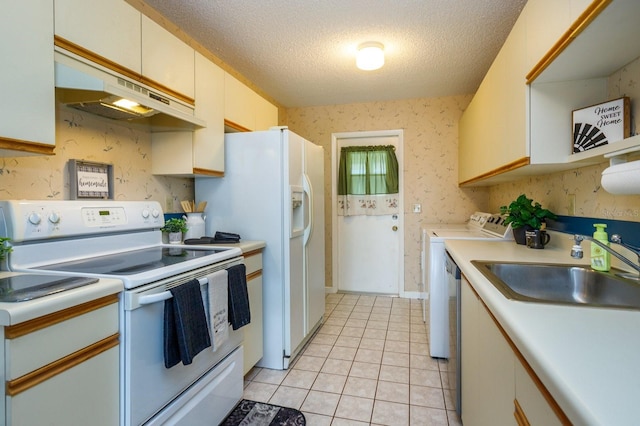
x=368, y=170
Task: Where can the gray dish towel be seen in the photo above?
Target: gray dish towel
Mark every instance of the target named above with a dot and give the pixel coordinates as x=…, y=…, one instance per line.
x=239, y=314
x=186, y=333
x=217, y=292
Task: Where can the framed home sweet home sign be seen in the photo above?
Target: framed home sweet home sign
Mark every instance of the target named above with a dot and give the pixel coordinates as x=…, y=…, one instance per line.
x=601, y=124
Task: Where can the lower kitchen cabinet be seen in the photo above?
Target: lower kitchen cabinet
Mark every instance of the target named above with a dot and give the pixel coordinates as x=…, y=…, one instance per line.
x=498, y=386
x=488, y=374
x=531, y=405
x=253, y=333
x=63, y=368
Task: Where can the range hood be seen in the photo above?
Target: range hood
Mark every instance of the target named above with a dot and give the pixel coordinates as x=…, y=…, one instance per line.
x=91, y=88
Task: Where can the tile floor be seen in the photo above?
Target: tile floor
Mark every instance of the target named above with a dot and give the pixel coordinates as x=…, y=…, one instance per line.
x=368, y=364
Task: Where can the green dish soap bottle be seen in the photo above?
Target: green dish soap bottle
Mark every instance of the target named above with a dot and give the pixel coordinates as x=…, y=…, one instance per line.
x=600, y=258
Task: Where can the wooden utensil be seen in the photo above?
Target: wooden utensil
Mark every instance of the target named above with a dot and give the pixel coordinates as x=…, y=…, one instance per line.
x=201, y=206
x=186, y=206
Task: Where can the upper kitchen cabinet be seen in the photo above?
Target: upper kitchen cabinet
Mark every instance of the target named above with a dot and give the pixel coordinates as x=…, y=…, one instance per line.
x=491, y=131
x=547, y=21
x=167, y=62
x=239, y=111
x=244, y=109
x=519, y=122
x=198, y=153
x=114, y=34
x=266, y=114
x=109, y=31
x=576, y=73
x=27, y=105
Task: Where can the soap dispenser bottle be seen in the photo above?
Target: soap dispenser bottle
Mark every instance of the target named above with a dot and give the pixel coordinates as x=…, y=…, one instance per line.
x=600, y=258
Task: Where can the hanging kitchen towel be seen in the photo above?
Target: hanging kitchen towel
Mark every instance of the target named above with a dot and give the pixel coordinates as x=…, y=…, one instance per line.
x=239, y=314
x=218, y=308
x=186, y=332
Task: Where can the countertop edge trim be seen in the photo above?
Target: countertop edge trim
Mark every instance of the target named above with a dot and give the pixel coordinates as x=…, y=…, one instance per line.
x=24, y=328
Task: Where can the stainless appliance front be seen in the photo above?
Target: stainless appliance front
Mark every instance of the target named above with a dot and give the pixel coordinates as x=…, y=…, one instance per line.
x=454, y=367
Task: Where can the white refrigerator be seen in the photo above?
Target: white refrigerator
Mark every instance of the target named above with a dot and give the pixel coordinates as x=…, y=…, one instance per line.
x=273, y=190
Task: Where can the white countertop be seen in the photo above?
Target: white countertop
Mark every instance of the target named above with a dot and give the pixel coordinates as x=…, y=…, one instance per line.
x=17, y=312
x=248, y=246
x=588, y=358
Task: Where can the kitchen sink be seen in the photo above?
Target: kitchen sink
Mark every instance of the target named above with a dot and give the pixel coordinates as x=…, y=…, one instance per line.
x=563, y=284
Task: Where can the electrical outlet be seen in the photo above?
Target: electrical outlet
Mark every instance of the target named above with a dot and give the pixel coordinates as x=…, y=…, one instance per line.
x=571, y=204
x=417, y=208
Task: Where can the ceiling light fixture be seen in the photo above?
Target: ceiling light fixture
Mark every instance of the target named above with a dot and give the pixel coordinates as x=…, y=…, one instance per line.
x=370, y=56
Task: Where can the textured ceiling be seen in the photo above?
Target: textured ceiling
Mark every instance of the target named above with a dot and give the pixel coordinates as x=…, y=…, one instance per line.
x=301, y=52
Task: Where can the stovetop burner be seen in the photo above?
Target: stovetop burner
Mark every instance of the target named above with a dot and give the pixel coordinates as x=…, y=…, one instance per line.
x=20, y=288
x=132, y=262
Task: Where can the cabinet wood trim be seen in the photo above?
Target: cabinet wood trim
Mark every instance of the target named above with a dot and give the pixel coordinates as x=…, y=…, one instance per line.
x=29, y=380
x=256, y=252
x=235, y=126
x=583, y=21
x=514, y=165
x=562, y=417
x=17, y=330
x=518, y=413
x=26, y=146
x=254, y=274
x=207, y=172
x=152, y=83
x=94, y=57
x=107, y=63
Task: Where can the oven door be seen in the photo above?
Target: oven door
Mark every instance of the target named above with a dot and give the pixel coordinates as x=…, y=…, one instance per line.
x=147, y=386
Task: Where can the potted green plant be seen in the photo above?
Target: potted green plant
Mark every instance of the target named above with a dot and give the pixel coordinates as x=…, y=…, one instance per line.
x=524, y=215
x=175, y=227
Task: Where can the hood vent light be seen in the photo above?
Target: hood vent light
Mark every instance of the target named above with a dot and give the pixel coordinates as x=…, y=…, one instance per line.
x=83, y=86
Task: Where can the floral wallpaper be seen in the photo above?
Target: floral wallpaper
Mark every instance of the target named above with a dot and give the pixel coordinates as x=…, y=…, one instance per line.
x=83, y=136
x=430, y=162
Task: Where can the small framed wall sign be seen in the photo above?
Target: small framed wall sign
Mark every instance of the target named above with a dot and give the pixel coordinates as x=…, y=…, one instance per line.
x=90, y=180
x=600, y=124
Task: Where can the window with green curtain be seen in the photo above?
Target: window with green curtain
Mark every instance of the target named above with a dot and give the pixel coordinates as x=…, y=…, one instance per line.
x=368, y=170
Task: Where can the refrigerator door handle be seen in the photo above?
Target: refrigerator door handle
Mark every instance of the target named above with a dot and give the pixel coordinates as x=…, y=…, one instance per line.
x=308, y=227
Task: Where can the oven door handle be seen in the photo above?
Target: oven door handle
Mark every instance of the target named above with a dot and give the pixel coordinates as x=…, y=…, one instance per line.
x=165, y=295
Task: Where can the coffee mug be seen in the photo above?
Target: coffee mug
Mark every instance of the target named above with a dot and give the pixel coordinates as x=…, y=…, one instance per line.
x=537, y=238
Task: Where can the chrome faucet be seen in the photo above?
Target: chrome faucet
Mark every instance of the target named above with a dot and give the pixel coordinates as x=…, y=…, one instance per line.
x=577, y=253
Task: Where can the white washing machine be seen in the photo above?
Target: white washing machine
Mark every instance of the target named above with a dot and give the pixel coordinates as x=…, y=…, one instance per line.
x=481, y=226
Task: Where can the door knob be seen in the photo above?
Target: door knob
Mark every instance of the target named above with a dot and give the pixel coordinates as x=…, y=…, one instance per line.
x=394, y=228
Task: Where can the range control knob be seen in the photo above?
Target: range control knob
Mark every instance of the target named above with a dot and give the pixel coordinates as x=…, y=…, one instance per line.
x=155, y=213
x=35, y=219
x=54, y=217
x=145, y=213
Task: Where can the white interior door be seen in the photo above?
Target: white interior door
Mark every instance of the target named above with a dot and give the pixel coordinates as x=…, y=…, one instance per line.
x=368, y=251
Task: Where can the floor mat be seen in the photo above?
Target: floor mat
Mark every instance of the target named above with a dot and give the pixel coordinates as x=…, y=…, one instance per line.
x=252, y=413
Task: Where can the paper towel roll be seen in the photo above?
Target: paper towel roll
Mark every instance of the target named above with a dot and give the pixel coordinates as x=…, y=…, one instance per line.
x=622, y=178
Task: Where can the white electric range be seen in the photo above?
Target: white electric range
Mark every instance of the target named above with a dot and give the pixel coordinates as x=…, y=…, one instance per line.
x=481, y=226
x=122, y=240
